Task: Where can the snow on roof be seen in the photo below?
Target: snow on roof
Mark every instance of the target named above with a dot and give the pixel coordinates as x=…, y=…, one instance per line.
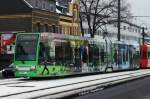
x=57, y=4
x=72, y=1
x=58, y=11
x=28, y=3
x=69, y=14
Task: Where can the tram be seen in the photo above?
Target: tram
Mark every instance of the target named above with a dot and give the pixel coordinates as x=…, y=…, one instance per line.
x=48, y=54
x=145, y=56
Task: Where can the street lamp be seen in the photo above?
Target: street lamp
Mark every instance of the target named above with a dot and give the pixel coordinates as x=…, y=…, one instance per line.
x=119, y=16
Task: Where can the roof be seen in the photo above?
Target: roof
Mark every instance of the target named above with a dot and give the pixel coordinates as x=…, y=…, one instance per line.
x=11, y=6
x=63, y=2
x=15, y=6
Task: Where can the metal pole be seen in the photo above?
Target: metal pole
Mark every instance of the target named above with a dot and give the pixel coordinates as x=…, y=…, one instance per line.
x=143, y=35
x=0, y=43
x=119, y=5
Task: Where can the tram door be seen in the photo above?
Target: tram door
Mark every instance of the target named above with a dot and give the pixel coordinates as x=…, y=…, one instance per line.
x=62, y=53
x=144, y=56
x=125, y=57
x=121, y=56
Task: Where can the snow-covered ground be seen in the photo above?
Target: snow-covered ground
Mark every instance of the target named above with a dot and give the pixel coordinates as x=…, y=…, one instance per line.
x=23, y=89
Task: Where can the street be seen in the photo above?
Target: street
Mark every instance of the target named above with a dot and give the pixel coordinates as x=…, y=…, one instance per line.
x=138, y=89
x=74, y=49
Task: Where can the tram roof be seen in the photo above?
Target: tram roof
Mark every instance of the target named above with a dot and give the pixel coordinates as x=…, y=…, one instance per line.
x=60, y=36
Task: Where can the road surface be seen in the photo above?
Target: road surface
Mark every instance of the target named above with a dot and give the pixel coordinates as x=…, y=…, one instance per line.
x=138, y=89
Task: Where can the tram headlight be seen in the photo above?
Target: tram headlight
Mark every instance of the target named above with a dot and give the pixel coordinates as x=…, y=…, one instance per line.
x=32, y=68
x=16, y=67
x=3, y=70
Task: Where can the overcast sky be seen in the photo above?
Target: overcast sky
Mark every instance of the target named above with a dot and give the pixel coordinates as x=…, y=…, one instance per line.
x=141, y=8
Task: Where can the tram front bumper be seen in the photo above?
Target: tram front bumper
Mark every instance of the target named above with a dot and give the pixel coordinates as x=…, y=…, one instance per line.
x=25, y=72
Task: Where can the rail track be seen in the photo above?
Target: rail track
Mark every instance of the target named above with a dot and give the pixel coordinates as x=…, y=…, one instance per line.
x=57, y=88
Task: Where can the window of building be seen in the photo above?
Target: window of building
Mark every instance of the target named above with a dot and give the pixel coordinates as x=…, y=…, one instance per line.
x=124, y=27
x=50, y=29
x=53, y=28
x=43, y=5
x=99, y=32
x=129, y=28
x=60, y=29
x=115, y=25
x=70, y=30
x=132, y=29
x=75, y=15
x=63, y=29
x=45, y=28
x=75, y=30
x=136, y=30
x=36, y=3
x=52, y=7
x=38, y=27
x=139, y=31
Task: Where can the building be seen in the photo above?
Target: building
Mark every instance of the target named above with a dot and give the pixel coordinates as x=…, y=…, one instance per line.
x=28, y=16
x=24, y=16
x=68, y=17
x=130, y=32
x=35, y=16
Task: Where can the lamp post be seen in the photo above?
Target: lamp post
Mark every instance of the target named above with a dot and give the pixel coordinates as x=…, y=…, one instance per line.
x=119, y=16
x=143, y=35
x=0, y=44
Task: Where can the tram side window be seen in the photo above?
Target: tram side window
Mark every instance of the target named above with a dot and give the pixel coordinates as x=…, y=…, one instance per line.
x=90, y=53
x=43, y=53
x=59, y=55
x=84, y=54
x=68, y=54
x=77, y=57
x=102, y=55
x=96, y=53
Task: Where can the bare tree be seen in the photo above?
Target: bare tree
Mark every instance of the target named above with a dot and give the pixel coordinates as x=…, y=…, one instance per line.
x=99, y=13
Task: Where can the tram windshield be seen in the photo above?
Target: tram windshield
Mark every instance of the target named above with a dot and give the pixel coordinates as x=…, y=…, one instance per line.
x=26, y=47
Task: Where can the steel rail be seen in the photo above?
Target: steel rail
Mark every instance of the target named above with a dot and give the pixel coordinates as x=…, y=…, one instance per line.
x=129, y=76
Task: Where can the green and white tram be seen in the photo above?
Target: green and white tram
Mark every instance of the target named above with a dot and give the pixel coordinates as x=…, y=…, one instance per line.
x=48, y=54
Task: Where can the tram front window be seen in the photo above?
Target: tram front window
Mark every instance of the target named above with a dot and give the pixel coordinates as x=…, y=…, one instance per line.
x=26, y=47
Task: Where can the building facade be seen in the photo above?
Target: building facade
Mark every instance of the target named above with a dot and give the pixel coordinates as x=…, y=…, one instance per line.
x=69, y=17
x=28, y=16
x=130, y=32
x=24, y=16
x=35, y=16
